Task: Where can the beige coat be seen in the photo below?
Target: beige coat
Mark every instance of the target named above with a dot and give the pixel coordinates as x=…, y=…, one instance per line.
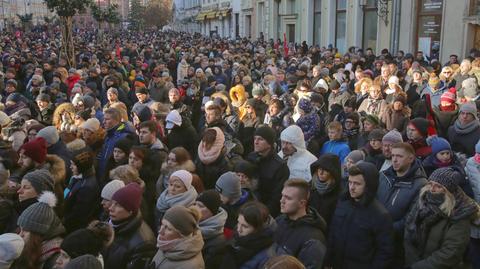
x=185, y=255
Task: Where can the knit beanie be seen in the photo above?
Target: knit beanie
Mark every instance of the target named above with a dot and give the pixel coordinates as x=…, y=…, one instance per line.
x=50, y=134
x=83, y=159
x=328, y=162
x=111, y=188
x=141, y=90
x=125, y=144
x=81, y=242
x=372, y=119
x=470, y=87
x=211, y=200
x=469, y=107
x=449, y=96
x=129, y=197
x=447, y=177
x=84, y=262
x=392, y=137
x=91, y=124
x=41, y=180
x=438, y=144
x=376, y=134
x=421, y=125
x=266, y=133
x=11, y=247
x=184, y=220
x=245, y=167
x=305, y=105
x=40, y=217
x=184, y=176
x=356, y=156
x=257, y=90
x=229, y=186
x=43, y=97
x=35, y=149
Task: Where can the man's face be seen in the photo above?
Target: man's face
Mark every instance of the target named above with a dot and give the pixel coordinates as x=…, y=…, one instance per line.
x=387, y=150
x=356, y=186
x=145, y=136
x=261, y=145
x=465, y=118
x=401, y=160
x=109, y=122
x=334, y=134
x=204, y=211
x=453, y=59
x=24, y=161
x=173, y=96
x=291, y=202
x=413, y=134
x=287, y=148
x=419, y=55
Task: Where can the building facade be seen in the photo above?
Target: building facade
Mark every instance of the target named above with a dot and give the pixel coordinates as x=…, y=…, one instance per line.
x=185, y=16
x=10, y=8
x=215, y=18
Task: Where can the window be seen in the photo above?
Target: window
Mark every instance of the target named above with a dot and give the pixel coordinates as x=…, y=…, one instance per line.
x=475, y=8
x=429, y=24
x=370, y=20
x=290, y=6
x=341, y=25
x=317, y=22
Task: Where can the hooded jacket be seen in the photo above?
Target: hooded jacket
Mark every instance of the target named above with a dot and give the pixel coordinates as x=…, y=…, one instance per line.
x=214, y=241
x=299, y=162
x=361, y=233
x=397, y=194
x=303, y=238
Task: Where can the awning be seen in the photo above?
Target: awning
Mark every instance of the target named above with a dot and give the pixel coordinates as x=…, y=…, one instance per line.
x=224, y=13
x=200, y=16
x=210, y=15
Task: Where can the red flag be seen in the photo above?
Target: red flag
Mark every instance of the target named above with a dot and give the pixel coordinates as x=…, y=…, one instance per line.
x=285, y=46
x=118, y=52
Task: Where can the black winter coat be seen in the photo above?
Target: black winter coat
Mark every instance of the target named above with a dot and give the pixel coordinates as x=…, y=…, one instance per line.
x=361, y=236
x=133, y=246
x=303, y=238
x=325, y=203
x=183, y=136
x=211, y=172
x=272, y=173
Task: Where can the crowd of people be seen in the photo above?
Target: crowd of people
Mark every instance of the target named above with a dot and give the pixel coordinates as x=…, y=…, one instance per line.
x=164, y=150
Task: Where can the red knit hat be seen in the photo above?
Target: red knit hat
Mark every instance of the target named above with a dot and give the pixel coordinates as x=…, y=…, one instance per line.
x=35, y=149
x=129, y=197
x=449, y=96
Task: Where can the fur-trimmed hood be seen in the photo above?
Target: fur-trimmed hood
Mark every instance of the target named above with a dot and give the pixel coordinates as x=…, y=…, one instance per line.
x=59, y=111
x=238, y=96
x=56, y=166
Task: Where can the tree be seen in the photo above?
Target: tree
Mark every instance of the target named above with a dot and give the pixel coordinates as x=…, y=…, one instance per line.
x=156, y=7
x=108, y=14
x=66, y=9
x=136, y=17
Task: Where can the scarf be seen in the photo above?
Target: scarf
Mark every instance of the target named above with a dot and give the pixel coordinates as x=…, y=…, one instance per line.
x=50, y=247
x=165, y=201
x=466, y=128
x=451, y=107
x=351, y=132
x=439, y=164
x=211, y=155
x=322, y=187
x=166, y=245
x=373, y=105
x=213, y=226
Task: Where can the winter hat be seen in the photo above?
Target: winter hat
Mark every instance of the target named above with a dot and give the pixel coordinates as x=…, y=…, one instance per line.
x=91, y=124
x=356, y=156
x=111, y=188
x=305, y=105
x=11, y=247
x=394, y=80
x=469, y=107
x=88, y=101
x=41, y=180
x=83, y=159
x=229, y=186
x=12, y=82
x=334, y=85
x=421, y=125
x=84, y=262
x=438, y=144
x=184, y=176
x=393, y=137
x=328, y=162
x=35, y=149
x=43, y=97
x=4, y=119
x=470, y=87
x=245, y=167
x=449, y=96
x=125, y=144
x=40, y=217
x=211, y=200
x=14, y=97
x=173, y=118
x=266, y=133
x=113, y=90
x=81, y=242
x=372, y=119
x=376, y=134
x=141, y=90
x=183, y=219
x=447, y=177
x=50, y=134
x=143, y=112
x=257, y=90
x=129, y=197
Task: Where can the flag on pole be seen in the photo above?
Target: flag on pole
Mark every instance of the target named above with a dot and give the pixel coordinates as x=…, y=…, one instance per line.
x=285, y=46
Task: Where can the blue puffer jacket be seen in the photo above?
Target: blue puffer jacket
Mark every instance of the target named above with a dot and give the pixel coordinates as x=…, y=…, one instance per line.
x=397, y=194
x=337, y=147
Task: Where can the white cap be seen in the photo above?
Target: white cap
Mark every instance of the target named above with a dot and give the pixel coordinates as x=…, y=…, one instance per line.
x=173, y=118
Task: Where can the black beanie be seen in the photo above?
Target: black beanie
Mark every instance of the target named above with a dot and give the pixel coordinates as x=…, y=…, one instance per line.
x=245, y=167
x=124, y=144
x=421, y=124
x=211, y=200
x=83, y=159
x=82, y=242
x=266, y=133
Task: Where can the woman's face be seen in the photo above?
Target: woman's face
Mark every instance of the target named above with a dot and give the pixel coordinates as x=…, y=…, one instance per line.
x=74, y=168
x=243, y=227
x=397, y=106
x=436, y=188
x=25, y=235
x=323, y=175
x=367, y=126
x=417, y=76
x=31, y=135
x=374, y=93
x=106, y=204
x=167, y=232
x=62, y=260
x=376, y=144
x=171, y=160
x=26, y=191
x=273, y=109
x=175, y=186
x=119, y=155
x=135, y=161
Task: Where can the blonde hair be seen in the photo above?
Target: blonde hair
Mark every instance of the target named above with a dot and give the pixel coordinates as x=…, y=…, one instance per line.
x=359, y=84
x=125, y=173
